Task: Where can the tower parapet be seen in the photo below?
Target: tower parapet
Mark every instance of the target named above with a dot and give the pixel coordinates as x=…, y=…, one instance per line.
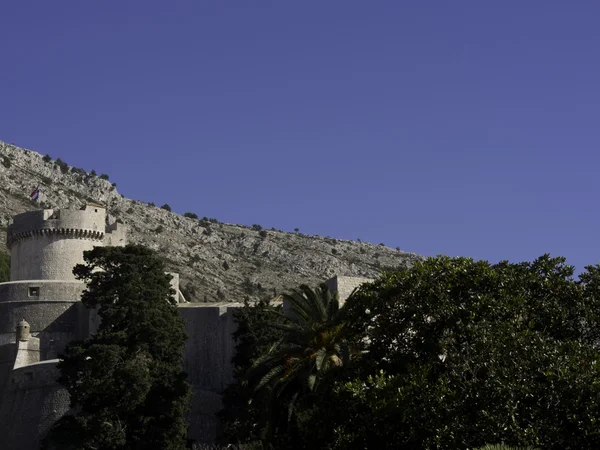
x=47, y=244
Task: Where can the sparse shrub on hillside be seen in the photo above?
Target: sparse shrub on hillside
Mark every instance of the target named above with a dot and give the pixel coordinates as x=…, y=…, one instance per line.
x=104, y=177
x=263, y=233
x=47, y=158
x=189, y=292
x=213, y=220
x=63, y=166
x=166, y=207
x=114, y=185
x=334, y=251
x=257, y=227
x=151, y=204
x=93, y=173
x=78, y=171
x=296, y=230
x=190, y=215
x=159, y=229
x=46, y=180
x=6, y=162
x=225, y=265
x=129, y=210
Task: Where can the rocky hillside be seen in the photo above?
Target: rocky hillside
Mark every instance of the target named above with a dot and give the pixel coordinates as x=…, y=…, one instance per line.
x=216, y=261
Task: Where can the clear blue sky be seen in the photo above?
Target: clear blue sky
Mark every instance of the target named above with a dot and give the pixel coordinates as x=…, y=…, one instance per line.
x=464, y=128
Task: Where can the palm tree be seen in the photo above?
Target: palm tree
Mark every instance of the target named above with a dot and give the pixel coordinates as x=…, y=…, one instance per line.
x=312, y=345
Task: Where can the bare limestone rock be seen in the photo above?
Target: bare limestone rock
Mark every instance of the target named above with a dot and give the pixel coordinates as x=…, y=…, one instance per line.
x=215, y=261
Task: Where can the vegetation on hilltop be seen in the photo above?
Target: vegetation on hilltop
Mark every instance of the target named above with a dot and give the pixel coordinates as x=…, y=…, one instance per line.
x=450, y=354
x=126, y=382
x=216, y=261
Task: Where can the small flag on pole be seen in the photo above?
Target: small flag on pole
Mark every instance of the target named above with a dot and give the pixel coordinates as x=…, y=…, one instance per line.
x=35, y=194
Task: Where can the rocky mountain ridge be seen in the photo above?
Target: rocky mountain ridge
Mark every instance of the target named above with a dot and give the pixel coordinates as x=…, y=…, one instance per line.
x=216, y=261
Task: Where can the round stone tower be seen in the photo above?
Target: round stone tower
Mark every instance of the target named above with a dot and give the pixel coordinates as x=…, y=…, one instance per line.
x=44, y=246
x=47, y=244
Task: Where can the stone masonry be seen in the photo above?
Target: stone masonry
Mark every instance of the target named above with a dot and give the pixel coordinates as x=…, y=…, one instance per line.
x=40, y=312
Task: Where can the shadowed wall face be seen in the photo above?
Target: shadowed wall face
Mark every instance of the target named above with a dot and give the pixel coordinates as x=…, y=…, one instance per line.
x=208, y=353
x=31, y=403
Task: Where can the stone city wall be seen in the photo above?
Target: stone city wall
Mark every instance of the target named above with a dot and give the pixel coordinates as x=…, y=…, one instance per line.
x=208, y=353
x=31, y=403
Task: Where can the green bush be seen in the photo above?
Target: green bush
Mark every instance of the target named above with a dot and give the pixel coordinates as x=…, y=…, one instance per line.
x=47, y=158
x=465, y=352
x=166, y=207
x=63, y=166
x=104, y=177
x=6, y=162
x=190, y=215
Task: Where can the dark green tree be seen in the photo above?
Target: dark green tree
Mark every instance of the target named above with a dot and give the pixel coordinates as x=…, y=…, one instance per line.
x=166, y=207
x=4, y=267
x=458, y=354
x=243, y=415
x=126, y=382
x=190, y=215
x=285, y=377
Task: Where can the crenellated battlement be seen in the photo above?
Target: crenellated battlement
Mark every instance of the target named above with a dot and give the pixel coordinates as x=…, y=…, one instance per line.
x=67, y=233
x=46, y=244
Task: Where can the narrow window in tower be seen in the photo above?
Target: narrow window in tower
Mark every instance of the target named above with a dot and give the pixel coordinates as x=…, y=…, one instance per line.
x=34, y=291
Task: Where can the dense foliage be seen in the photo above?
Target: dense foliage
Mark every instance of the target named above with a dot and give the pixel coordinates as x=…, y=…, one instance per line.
x=244, y=413
x=4, y=267
x=126, y=382
x=457, y=354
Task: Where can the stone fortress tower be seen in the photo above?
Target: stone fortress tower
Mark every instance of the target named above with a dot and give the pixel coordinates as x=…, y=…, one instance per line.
x=41, y=312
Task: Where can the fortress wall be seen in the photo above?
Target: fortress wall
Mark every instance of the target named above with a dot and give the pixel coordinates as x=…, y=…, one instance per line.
x=31, y=403
x=54, y=323
x=47, y=244
x=92, y=219
x=48, y=256
x=208, y=353
x=49, y=291
x=116, y=235
x=7, y=361
x=210, y=346
x=345, y=285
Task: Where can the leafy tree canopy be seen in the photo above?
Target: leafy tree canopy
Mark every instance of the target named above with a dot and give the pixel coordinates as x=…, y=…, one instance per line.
x=126, y=382
x=458, y=354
